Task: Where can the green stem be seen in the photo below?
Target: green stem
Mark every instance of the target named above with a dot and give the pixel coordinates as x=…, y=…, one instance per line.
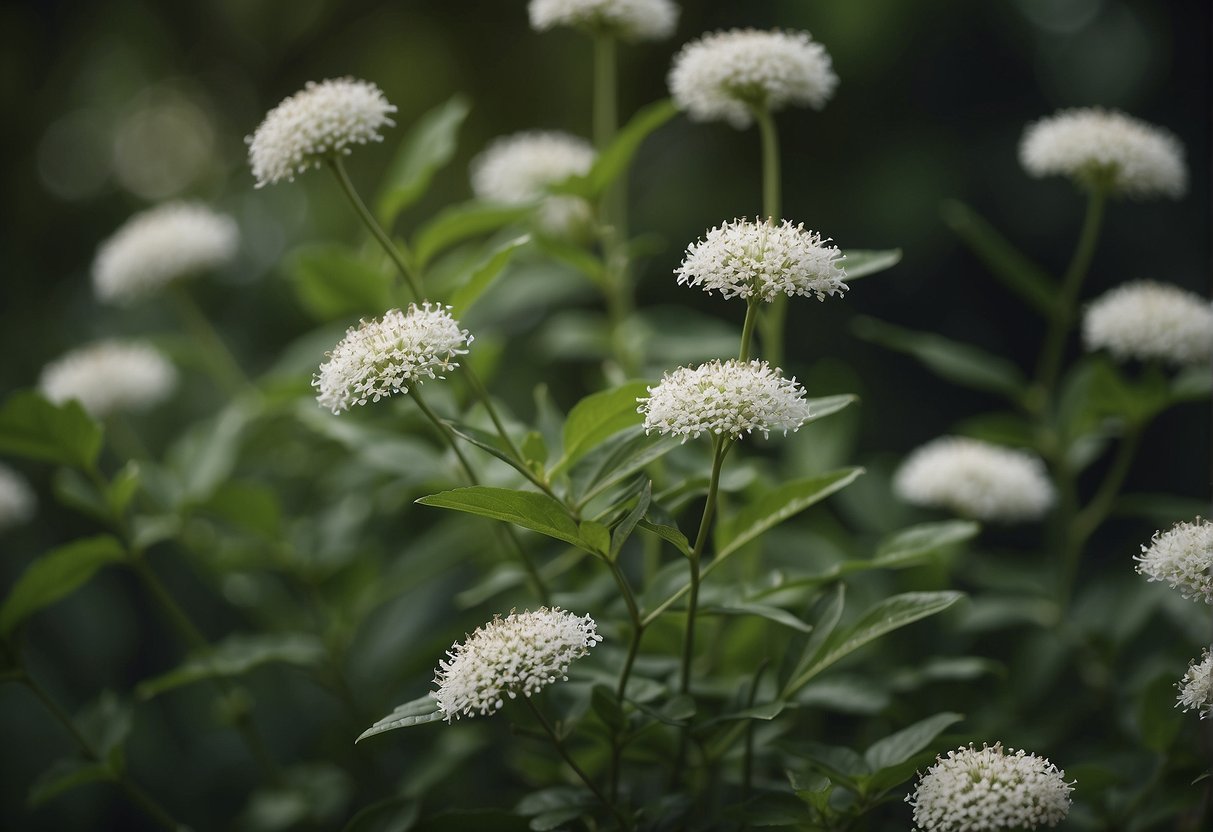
x=220, y=362
x=747, y=767
x=747, y=329
x=410, y=275
x=617, y=741
x=771, y=325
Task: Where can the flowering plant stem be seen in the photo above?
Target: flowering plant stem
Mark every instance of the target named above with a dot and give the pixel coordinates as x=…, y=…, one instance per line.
x=772, y=323
x=221, y=364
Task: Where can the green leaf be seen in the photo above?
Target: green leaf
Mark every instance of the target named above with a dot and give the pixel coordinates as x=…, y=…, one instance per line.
x=461, y=222
x=802, y=650
x=896, y=748
x=863, y=262
x=122, y=488
x=32, y=427
x=598, y=416
x=575, y=256
x=1191, y=384
x=765, y=712
x=766, y=611
x=614, y=460
x=237, y=655
x=1158, y=721
x=65, y=775
x=667, y=531
x=615, y=159
x=623, y=530
x=1005, y=261
x=206, y=455
x=824, y=406
x=960, y=363
x=416, y=712
x=922, y=541
x=487, y=271
x=78, y=492
x=429, y=145
x=106, y=723
x=537, y=512
x=334, y=282
x=56, y=574
x=596, y=536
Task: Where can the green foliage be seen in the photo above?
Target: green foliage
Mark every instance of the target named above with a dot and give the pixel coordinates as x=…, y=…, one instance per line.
x=334, y=282
x=57, y=574
x=428, y=147
x=236, y=656
x=30, y=426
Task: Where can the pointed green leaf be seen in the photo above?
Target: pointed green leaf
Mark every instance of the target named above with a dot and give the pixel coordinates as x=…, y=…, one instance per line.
x=901, y=746
x=30, y=426
x=207, y=454
x=863, y=262
x=614, y=460
x=462, y=222
x=237, y=655
x=537, y=512
x=824, y=406
x=921, y=541
x=333, y=282
x=417, y=712
x=802, y=650
x=106, y=723
x=56, y=574
x=615, y=159
x=487, y=271
x=623, y=530
x=65, y=775
x=779, y=616
x=598, y=416
x=1005, y=261
x=667, y=531
x=429, y=145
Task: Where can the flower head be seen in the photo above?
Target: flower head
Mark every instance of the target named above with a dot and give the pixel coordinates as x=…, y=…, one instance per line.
x=1148, y=320
x=1183, y=557
x=521, y=653
x=746, y=259
x=627, y=19
x=1106, y=149
x=17, y=499
x=520, y=168
x=721, y=76
x=1196, y=687
x=166, y=243
x=382, y=357
x=110, y=377
x=990, y=789
x=319, y=122
x=975, y=479
x=727, y=399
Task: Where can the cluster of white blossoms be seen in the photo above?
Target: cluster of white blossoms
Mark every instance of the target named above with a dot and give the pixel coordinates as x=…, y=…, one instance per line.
x=520, y=653
x=975, y=479
x=382, y=357
x=721, y=76
x=317, y=123
x=1107, y=149
x=166, y=243
x=1196, y=687
x=519, y=168
x=1183, y=557
x=627, y=19
x=17, y=499
x=724, y=398
x=109, y=377
x=990, y=789
x=1150, y=321
x=760, y=259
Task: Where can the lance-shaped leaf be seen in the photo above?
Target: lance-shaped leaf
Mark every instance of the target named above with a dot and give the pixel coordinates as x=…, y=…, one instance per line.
x=911, y=545
x=863, y=262
x=56, y=574
x=614, y=160
x=236, y=656
x=531, y=510
x=417, y=712
x=461, y=222
x=596, y=417
x=1005, y=261
x=30, y=426
x=429, y=145
x=483, y=275
x=335, y=282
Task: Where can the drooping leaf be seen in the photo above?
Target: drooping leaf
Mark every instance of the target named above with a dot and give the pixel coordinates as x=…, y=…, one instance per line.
x=55, y=575
x=429, y=145
x=30, y=426
x=531, y=510
x=335, y=282
x=596, y=417
x=462, y=222
x=487, y=271
x=1005, y=261
x=416, y=712
x=863, y=262
x=237, y=655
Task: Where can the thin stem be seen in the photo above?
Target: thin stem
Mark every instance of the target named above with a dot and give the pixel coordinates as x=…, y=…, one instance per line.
x=747, y=329
x=617, y=741
x=747, y=767
x=482, y=393
x=626, y=590
x=773, y=320
x=606, y=108
x=220, y=362
x=410, y=275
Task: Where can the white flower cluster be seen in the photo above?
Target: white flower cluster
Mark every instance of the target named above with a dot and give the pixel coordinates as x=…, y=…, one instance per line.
x=520, y=167
x=17, y=499
x=975, y=479
x=1105, y=148
x=972, y=790
x=721, y=76
x=628, y=19
x=382, y=357
x=1150, y=321
x=729, y=399
x=1183, y=557
x=520, y=653
x=1196, y=687
x=318, y=122
x=746, y=259
x=109, y=377
x=160, y=245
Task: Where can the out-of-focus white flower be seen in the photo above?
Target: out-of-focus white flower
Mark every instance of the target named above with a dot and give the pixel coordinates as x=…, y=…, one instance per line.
x=1183, y=557
x=317, y=123
x=971, y=790
x=520, y=653
x=975, y=479
x=728, y=399
x=17, y=501
x=384, y=356
x=110, y=377
x=627, y=19
x=1196, y=687
x=166, y=243
x=1148, y=320
x=1107, y=149
x=747, y=259
x=519, y=168
x=721, y=76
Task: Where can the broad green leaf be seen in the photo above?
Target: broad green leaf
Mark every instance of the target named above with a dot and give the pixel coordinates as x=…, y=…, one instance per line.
x=571, y=254
x=485, y=273
x=237, y=655
x=30, y=426
x=333, y=282
x=918, y=542
x=1005, y=261
x=614, y=460
x=429, y=145
x=56, y=574
x=960, y=363
x=462, y=222
x=78, y=492
x=802, y=649
x=596, y=417
x=839, y=763
x=779, y=616
x=489, y=443
x=537, y=512
x=667, y=532
x=614, y=160
x=207, y=454
x=416, y=712
x=863, y=262
x=596, y=537
x=896, y=748
x=766, y=712
x=65, y=775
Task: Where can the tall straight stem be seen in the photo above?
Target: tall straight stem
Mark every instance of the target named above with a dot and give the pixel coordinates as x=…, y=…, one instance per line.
x=747, y=329
x=771, y=325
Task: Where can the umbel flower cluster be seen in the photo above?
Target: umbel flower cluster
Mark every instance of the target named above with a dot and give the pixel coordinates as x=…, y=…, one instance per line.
x=520, y=168
x=1150, y=321
x=1183, y=557
x=627, y=19
x=990, y=789
x=521, y=653
x=1196, y=687
x=109, y=377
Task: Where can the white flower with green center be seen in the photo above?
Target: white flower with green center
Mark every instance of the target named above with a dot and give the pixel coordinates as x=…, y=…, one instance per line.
x=382, y=357
x=1196, y=687
x=1183, y=557
x=17, y=501
x=1150, y=321
x=1106, y=149
x=170, y=242
x=320, y=122
x=760, y=259
x=975, y=479
x=521, y=653
x=724, y=75
x=724, y=398
x=973, y=790
x=110, y=377
x=627, y=19
x=521, y=167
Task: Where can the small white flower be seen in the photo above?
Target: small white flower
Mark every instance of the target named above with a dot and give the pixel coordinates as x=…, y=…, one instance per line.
x=1183, y=557
x=155, y=247
x=317, y=123
x=975, y=479
x=521, y=653
x=1196, y=687
x=110, y=377
x=1105, y=148
x=746, y=259
x=721, y=76
x=627, y=19
x=1147, y=320
x=519, y=168
x=17, y=501
x=382, y=357
x=728, y=399
x=972, y=791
